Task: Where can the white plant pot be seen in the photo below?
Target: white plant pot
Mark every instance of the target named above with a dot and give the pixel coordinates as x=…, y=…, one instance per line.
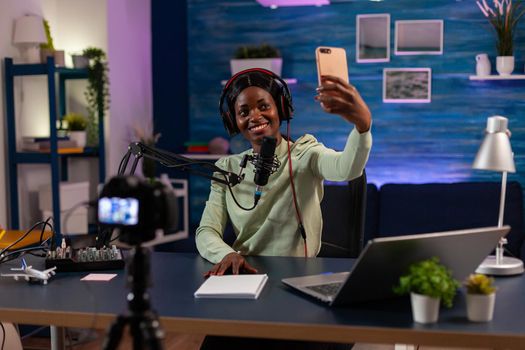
x=425, y=309
x=505, y=65
x=480, y=307
x=273, y=64
x=79, y=137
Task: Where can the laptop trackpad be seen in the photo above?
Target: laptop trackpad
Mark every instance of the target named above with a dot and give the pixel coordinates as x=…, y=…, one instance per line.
x=323, y=286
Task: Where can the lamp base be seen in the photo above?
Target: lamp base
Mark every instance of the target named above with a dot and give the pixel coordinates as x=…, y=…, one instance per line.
x=507, y=267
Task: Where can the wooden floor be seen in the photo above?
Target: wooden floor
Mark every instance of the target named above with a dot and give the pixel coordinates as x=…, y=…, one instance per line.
x=94, y=340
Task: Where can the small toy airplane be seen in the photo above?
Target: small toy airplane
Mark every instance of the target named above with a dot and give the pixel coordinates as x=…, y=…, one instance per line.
x=31, y=274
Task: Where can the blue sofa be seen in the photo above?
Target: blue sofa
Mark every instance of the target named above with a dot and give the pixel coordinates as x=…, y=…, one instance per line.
x=398, y=209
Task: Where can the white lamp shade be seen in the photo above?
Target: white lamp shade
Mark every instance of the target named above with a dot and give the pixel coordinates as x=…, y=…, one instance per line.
x=495, y=152
x=29, y=30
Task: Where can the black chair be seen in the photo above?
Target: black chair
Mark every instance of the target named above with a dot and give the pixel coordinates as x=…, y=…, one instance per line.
x=344, y=209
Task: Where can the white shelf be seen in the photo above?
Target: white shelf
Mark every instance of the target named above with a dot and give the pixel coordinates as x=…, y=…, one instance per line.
x=286, y=80
x=498, y=77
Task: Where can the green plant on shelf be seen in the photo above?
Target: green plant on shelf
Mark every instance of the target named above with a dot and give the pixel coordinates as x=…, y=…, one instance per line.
x=253, y=51
x=75, y=121
x=97, y=91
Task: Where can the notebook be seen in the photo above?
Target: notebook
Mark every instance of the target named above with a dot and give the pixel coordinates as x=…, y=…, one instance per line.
x=384, y=260
x=232, y=287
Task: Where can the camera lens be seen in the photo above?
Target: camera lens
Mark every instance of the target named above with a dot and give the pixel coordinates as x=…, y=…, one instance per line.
x=326, y=50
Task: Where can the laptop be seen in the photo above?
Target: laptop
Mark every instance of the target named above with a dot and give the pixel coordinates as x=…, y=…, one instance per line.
x=384, y=260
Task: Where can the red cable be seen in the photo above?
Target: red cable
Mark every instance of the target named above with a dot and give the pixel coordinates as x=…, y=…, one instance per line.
x=297, y=212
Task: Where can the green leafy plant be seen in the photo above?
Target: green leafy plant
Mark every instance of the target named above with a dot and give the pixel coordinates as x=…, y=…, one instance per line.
x=75, y=121
x=503, y=17
x=97, y=91
x=479, y=284
x=49, y=44
x=261, y=51
x=429, y=278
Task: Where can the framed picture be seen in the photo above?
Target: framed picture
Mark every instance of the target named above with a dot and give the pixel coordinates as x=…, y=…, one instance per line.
x=407, y=85
x=422, y=37
x=373, y=38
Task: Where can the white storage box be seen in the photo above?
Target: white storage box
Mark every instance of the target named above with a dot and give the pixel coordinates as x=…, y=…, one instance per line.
x=71, y=194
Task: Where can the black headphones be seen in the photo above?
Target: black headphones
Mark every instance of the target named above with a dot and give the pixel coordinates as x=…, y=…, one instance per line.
x=284, y=104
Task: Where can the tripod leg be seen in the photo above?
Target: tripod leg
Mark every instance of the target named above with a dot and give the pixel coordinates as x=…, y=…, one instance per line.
x=153, y=334
x=115, y=333
x=136, y=333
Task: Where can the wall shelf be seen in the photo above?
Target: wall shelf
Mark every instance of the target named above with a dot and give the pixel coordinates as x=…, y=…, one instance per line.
x=56, y=159
x=203, y=156
x=497, y=77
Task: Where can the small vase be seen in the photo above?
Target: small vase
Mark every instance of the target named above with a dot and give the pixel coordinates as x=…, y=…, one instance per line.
x=425, y=309
x=505, y=65
x=480, y=307
x=482, y=64
x=79, y=137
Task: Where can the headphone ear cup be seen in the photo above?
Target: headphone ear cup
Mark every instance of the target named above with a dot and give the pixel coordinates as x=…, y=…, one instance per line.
x=229, y=124
x=286, y=111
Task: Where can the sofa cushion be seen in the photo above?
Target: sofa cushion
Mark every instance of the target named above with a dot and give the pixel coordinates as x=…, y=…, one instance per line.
x=432, y=207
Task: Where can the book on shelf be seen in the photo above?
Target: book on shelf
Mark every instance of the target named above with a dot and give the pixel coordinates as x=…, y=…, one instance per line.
x=30, y=139
x=232, y=287
x=45, y=146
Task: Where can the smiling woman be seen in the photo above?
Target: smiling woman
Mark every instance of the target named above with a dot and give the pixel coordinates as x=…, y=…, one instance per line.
x=257, y=116
x=254, y=103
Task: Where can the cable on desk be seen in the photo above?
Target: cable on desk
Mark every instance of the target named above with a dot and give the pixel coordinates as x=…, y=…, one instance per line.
x=21, y=252
x=44, y=223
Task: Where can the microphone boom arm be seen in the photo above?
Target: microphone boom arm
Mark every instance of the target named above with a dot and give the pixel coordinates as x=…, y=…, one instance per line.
x=172, y=160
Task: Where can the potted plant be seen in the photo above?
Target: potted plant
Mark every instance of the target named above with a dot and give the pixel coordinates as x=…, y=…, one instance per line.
x=503, y=16
x=262, y=56
x=97, y=91
x=76, y=124
x=481, y=297
x=48, y=49
x=428, y=283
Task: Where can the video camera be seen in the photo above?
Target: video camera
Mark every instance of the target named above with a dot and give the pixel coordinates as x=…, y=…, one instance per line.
x=137, y=208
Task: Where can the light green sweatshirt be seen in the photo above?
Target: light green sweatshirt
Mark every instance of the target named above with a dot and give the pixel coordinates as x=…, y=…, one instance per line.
x=271, y=228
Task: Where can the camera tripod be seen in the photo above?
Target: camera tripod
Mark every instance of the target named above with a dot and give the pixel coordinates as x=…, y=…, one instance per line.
x=143, y=323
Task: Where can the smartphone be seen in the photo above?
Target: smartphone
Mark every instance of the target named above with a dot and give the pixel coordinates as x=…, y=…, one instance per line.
x=331, y=61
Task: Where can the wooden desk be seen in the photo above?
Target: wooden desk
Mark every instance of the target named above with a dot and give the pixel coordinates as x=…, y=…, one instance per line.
x=278, y=313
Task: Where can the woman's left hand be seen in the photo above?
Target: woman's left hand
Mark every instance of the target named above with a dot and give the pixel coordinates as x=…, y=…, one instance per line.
x=338, y=97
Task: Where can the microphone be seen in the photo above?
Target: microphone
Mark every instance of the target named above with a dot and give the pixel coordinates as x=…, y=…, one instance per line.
x=266, y=163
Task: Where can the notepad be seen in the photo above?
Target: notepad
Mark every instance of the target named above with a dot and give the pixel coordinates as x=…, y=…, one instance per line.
x=232, y=287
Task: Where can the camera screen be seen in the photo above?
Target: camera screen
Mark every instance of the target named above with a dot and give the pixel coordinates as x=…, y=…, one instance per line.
x=118, y=211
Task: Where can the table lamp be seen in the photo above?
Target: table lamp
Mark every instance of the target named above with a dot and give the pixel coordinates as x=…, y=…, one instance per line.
x=495, y=153
x=28, y=35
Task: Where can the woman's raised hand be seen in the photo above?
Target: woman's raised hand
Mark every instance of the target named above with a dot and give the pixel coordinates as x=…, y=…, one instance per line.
x=339, y=97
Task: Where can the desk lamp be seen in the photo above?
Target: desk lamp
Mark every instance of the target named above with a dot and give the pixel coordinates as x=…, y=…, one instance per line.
x=28, y=35
x=496, y=154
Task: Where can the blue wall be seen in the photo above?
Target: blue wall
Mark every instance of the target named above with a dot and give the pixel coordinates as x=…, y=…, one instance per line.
x=413, y=143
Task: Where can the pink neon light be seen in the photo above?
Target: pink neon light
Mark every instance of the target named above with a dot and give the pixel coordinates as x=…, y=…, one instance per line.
x=268, y=3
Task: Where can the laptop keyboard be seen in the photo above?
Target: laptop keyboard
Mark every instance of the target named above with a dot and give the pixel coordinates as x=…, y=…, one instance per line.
x=329, y=289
